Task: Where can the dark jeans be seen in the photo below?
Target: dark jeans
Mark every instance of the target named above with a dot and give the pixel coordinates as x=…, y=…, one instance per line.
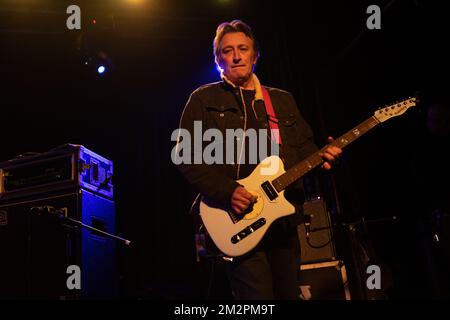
x=271, y=270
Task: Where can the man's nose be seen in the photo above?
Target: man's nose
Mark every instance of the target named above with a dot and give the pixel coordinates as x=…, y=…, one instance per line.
x=236, y=57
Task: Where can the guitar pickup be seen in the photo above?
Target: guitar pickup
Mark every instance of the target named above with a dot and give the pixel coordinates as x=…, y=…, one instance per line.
x=269, y=190
x=248, y=230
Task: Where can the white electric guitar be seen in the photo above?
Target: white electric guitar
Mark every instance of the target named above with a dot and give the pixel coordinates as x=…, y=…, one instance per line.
x=236, y=234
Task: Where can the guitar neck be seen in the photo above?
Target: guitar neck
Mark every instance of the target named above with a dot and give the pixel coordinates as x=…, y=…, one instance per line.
x=314, y=160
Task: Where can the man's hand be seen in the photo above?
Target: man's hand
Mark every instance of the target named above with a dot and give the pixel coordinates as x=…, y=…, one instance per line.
x=330, y=155
x=241, y=200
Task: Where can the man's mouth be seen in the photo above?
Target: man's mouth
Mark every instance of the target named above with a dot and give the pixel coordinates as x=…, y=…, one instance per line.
x=238, y=66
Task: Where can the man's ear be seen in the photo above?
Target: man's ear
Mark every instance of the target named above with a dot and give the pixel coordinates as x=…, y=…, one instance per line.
x=255, y=59
x=254, y=62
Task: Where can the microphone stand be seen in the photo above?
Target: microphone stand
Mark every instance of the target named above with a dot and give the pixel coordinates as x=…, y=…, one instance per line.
x=62, y=214
x=364, y=222
x=362, y=252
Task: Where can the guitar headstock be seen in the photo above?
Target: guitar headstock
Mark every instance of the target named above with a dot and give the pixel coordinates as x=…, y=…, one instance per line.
x=395, y=109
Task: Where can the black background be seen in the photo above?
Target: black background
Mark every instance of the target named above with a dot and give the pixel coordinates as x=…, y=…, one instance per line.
x=339, y=71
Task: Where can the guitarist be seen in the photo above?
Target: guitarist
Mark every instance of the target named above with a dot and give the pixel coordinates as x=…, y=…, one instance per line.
x=270, y=271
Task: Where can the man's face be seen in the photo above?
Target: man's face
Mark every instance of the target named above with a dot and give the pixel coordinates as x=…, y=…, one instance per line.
x=237, y=57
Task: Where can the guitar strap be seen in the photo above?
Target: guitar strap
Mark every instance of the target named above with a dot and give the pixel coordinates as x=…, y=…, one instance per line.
x=273, y=120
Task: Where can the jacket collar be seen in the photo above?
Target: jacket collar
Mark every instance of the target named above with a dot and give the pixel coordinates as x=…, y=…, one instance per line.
x=256, y=83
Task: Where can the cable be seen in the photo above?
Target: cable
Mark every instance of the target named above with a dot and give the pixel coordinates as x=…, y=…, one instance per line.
x=319, y=246
x=308, y=234
x=243, y=136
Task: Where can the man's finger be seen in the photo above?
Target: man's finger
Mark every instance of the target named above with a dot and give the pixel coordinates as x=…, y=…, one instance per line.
x=330, y=153
x=248, y=195
x=327, y=156
x=240, y=207
x=326, y=166
x=241, y=199
x=236, y=209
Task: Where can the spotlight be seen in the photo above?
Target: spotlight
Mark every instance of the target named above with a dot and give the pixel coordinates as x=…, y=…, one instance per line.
x=135, y=1
x=101, y=69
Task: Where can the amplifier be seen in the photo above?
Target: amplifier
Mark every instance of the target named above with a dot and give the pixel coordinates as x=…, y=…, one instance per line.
x=324, y=281
x=69, y=166
x=319, y=246
x=36, y=249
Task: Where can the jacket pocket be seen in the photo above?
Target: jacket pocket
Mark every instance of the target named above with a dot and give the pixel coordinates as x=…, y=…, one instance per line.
x=222, y=117
x=288, y=126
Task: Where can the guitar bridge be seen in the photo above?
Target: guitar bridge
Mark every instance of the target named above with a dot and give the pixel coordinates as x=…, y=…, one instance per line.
x=248, y=230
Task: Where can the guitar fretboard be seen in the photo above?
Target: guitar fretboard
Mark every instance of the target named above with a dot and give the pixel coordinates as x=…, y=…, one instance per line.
x=314, y=160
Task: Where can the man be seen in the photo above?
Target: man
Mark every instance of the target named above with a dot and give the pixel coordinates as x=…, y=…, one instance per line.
x=270, y=271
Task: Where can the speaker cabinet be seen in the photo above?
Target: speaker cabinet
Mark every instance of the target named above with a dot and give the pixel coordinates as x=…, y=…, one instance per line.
x=324, y=281
x=37, y=248
x=319, y=246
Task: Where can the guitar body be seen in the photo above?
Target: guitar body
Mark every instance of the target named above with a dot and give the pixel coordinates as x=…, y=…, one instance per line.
x=235, y=237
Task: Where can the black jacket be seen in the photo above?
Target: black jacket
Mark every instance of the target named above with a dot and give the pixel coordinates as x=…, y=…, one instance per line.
x=219, y=105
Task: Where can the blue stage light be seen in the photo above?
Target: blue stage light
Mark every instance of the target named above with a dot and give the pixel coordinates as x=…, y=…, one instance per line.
x=101, y=69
